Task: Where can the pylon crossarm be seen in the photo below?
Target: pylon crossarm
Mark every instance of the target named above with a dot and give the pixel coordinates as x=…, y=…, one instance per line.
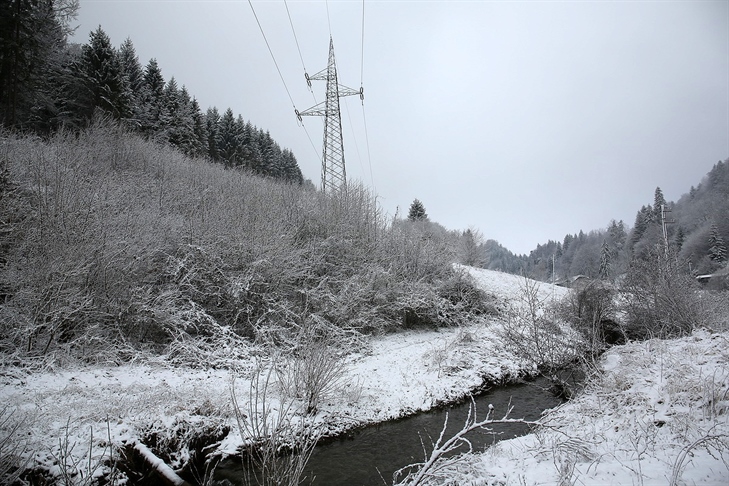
x=345, y=91
x=320, y=76
x=316, y=110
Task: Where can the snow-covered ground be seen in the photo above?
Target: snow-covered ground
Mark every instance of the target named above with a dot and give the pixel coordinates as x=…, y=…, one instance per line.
x=397, y=375
x=658, y=414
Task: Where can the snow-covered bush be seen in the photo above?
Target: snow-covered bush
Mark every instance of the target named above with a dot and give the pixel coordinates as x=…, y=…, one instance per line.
x=592, y=311
x=281, y=440
x=117, y=247
x=661, y=299
x=11, y=449
x=533, y=331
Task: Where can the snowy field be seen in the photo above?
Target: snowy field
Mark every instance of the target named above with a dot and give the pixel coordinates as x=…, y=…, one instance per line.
x=658, y=411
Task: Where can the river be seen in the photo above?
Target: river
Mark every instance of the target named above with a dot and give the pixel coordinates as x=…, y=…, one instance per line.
x=370, y=455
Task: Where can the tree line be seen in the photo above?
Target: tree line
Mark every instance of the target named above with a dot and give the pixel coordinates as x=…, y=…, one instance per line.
x=47, y=83
x=696, y=235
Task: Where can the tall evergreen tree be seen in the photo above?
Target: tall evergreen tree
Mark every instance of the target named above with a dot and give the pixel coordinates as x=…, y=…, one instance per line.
x=659, y=202
x=199, y=129
x=32, y=32
x=153, y=88
x=228, y=139
x=212, y=124
x=605, y=260
x=102, y=72
x=717, y=248
x=417, y=211
x=133, y=76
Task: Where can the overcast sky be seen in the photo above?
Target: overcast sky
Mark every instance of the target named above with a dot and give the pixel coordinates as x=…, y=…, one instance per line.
x=525, y=120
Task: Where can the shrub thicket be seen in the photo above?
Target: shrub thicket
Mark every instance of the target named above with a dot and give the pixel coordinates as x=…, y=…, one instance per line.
x=661, y=298
x=112, y=244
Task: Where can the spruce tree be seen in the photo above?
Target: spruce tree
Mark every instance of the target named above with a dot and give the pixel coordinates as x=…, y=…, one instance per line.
x=228, y=139
x=717, y=248
x=659, y=202
x=212, y=125
x=102, y=74
x=153, y=87
x=32, y=36
x=199, y=129
x=605, y=260
x=417, y=211
x=133, y=77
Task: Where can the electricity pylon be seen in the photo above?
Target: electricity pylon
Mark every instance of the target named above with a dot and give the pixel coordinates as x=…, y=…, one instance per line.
x=333, y=171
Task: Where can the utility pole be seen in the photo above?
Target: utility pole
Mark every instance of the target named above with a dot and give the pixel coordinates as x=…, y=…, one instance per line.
x=333, y=171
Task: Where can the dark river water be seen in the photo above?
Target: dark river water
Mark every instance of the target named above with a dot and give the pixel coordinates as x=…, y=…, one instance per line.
x=370, y=456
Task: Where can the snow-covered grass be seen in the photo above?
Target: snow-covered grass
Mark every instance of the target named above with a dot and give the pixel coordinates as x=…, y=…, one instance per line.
x=656, y=414
x=392, y=376
x=658, y=410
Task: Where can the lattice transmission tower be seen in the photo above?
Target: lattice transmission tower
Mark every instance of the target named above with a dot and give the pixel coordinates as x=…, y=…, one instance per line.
x=333, y=171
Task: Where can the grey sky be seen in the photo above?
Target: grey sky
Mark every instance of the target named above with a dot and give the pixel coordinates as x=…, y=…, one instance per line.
x=525, y=120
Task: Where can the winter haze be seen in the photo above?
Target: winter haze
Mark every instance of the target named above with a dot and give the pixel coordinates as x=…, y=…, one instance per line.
x=526, y=120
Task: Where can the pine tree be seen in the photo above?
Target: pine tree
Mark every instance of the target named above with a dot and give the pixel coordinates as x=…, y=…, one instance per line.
x=642, y=220
x=212, y=124
x=680, y=238
x=605, y=260
x=417, y=211
x=717, y=248
x=32, y=34
x=153, y=87
x=199, y=129
x=228, y=140
x=102, y=72
x=133, y=77
x=659, y=202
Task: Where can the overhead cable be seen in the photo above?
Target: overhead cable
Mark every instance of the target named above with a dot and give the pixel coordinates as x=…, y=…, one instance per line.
x=272, y=56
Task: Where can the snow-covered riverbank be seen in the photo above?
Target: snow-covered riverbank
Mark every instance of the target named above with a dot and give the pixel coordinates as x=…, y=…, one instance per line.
x=658, y=414
x=659, y=410
x=393, y=376
x=398, y=375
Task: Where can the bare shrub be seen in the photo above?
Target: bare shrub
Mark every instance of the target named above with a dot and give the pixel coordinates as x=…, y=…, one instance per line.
x=81, y=469
x=534, y=333
x=661, y=300
x=313, y=370
x=592, y=311
x=124, y=245
x=13, y=448
x=280, y=442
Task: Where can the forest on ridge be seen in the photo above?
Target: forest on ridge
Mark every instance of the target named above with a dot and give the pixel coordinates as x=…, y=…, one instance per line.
x=48, y=84
x=697, y=232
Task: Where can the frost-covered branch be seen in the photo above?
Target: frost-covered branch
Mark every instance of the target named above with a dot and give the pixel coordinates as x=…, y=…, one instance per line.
x=439, y=459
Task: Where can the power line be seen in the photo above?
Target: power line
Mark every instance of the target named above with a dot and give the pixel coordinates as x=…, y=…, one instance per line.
x=306, y=74
x=295, y=38
x=367, y=142
x=361, y=64
x=272, y=56
x=279, y=70
x=361, y=84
